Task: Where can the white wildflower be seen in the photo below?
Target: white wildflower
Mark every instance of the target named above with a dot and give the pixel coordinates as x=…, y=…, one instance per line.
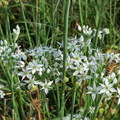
x=94, y=90
x=106, y=31
x=107, y=88
x=118, y=96
x=16, y=32
x=46, y=85
x=34, y=67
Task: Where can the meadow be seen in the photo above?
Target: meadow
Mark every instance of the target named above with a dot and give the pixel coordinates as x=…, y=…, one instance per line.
x=59, y=60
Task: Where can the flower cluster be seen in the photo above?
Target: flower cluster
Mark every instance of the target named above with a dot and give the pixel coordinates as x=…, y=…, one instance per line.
x=43, y=66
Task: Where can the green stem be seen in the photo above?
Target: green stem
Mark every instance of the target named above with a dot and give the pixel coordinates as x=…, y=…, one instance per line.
x=58, y=100
x=73, y=99
x=52, y=21
x=102, y=42
x=45, y=104
x=99, y=22
x=1, y=33
x=25, y=20
x=22, y=114
x=80, y=13
x=8, y=31
x=97, y=106
x=17, y=116
x=62, y=102
x=86, y=12
x=66, y=17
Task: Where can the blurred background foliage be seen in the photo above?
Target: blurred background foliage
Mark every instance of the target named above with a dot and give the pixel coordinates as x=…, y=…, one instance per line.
x=42, y=21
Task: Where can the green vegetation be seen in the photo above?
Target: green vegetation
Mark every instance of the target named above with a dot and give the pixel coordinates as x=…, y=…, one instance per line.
x=56, y=59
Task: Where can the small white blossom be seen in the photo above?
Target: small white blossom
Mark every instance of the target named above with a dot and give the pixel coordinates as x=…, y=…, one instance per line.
x=106, y=31
x=94, y=90
x=34, y=67
x=16, y=32
x=25, y=73
x=31, y=83
x=46, y=85
x=37, y=52
x=118, y=96
x=91, y=109
x=2, y=94
x=107, y=88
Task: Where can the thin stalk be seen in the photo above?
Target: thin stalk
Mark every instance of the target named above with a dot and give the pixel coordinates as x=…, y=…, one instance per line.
x=16, y=114
x=97, y=106
x=62, y=102
x=45, y=104
x=22, y=113
x=73, y=99
x=8, y=31
x=102, y=41
x=44, y=20
x=66, y=17
x=36, y=23
x=1, y=33
x=26, y=26
x=80, y=13
x=86, y=12
x=52, y=21
x=114, y=17
x=53, y=11
x=110, y=14
x=58, y=100
x=99, y=23
x=56, y=6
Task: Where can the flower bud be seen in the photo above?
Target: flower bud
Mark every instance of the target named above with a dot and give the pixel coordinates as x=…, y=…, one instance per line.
x=65, y=79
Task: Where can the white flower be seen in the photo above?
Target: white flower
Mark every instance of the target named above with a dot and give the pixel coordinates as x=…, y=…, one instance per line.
x=118, y=72
x=16, y=32
x=92, y=66
x=106, y=31
x=49, y=49
x=87, y=30
x=1, y=86
x=25, y=73
x=2, y=94
x=55, y=72
x=34, y=67
x=79, y=27
x=3, y=43
x=58, y=55
x=37, y=52
x=76, y=58
x=19, y=84
x=46, y=85
x=19, y=55
x=118, y=90
x=79, y=70
x=91, y=109
x=21, y=64
x=82, y=77
x=31, y=83
x=73, y=46
x=107, y=88
x=100, y=34
x=88, y=42
x=94, y=90
x=69, y=63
